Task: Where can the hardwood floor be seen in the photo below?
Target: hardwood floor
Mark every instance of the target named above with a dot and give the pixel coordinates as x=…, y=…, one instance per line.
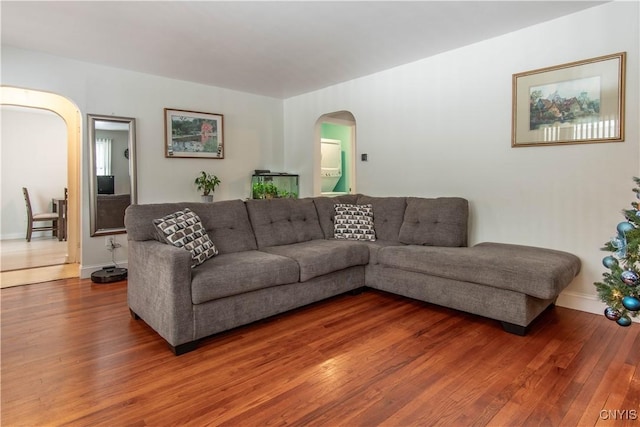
x=72, y=355
x=16, y=254
x=41, y=260
x=30, y=276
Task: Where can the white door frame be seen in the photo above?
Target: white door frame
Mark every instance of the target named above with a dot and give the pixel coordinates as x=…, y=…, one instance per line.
x=69, y=112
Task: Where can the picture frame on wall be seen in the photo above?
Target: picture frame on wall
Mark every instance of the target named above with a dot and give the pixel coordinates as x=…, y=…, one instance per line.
x=193, y=134
x=574, y=103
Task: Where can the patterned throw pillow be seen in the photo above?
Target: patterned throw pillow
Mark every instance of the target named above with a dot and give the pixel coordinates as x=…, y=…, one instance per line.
x=184, y=229
x=353, y=222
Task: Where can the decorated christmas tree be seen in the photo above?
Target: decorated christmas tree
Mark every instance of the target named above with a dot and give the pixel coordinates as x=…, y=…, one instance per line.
x=620, y=286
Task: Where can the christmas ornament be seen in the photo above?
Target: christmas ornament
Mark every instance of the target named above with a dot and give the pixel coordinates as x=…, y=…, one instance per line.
x=609, y=261
x=631, y=303
x=611, y=313
x=619, y=288
x=624, y=321
x=620, y=243
x=624, y=227
x=629, y=277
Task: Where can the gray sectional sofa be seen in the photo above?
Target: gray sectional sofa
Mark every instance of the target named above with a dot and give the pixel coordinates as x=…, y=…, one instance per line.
x=280, y=254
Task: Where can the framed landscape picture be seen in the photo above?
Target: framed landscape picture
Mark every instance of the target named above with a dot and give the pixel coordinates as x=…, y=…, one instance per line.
x=192, y=134
x=578, y=102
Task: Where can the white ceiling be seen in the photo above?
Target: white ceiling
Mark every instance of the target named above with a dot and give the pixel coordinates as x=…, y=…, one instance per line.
x=277, y=49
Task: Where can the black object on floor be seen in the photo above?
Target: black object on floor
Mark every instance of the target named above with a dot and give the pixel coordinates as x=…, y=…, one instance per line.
x=109, y=274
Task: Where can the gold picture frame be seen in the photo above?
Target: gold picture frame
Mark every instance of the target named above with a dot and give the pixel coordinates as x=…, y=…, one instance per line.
x=574, y=103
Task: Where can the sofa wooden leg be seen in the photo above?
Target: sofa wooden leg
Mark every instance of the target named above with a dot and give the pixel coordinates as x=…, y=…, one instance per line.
x=514, y=329
x=134, y=315
x=184, y=348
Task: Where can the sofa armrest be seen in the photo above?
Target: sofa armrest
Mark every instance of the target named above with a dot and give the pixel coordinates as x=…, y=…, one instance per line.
x=159, y=289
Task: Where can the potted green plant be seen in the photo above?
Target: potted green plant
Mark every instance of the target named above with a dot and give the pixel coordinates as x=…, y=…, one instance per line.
x=207, y=183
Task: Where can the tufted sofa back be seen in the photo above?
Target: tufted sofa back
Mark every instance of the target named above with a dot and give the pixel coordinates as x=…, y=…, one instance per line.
x=226, y=222
x=325, y=206
x=388, y=214
x=410, y=220
x=236, y=225
x=435, y=222
x=284, y=221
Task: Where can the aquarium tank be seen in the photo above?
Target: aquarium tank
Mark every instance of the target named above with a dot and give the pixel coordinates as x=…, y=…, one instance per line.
x=271, y=185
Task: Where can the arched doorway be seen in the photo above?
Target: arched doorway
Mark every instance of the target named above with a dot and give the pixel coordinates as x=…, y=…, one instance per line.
x=68, y=111
x=335, y=165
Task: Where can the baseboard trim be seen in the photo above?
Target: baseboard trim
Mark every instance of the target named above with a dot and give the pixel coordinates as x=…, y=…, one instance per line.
x=584, y=302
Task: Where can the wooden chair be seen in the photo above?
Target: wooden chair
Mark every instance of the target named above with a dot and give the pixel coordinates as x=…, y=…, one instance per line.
x=65, y=206
x=32, y=218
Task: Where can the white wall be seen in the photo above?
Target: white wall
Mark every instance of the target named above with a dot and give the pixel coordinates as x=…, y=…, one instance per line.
x=33, y=153
x=252, y=130
x=442, y=127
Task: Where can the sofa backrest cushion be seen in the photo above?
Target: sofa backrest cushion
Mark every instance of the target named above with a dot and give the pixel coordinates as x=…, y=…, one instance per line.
x=226, y=222
x=283, y=221
x=388, y=215
x=325, y=206
x=435, y=222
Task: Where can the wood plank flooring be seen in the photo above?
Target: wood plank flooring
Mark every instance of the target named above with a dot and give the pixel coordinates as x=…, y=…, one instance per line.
x=41, y=260
x=30, y=276
x=72, y=355
x=16, y=254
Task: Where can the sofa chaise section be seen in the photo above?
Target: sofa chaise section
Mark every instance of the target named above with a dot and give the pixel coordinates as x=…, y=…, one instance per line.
x=539, y=272
x=510, y=283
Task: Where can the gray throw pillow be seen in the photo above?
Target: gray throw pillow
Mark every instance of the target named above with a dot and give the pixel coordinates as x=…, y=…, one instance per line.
x=184, y=229
x=353, y=222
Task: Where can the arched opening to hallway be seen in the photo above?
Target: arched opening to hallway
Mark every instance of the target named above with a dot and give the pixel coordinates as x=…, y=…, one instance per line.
x=335, y=165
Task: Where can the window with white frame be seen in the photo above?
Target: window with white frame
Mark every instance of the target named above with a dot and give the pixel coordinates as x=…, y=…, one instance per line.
x=103, y=156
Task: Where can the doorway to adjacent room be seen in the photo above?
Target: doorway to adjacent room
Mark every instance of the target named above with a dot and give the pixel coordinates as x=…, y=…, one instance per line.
x=336, y=163
x=45, y=257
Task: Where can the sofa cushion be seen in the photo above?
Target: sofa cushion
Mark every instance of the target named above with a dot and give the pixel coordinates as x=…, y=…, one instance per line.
x=325, y=207
x=374, y=248
x=283, y=221
x=240, y=272
x=183, y=229
x=353, y=222
x=435, y=222
x=318, y=257
x=226, y=222
x=541, y=273
x=388, y=214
